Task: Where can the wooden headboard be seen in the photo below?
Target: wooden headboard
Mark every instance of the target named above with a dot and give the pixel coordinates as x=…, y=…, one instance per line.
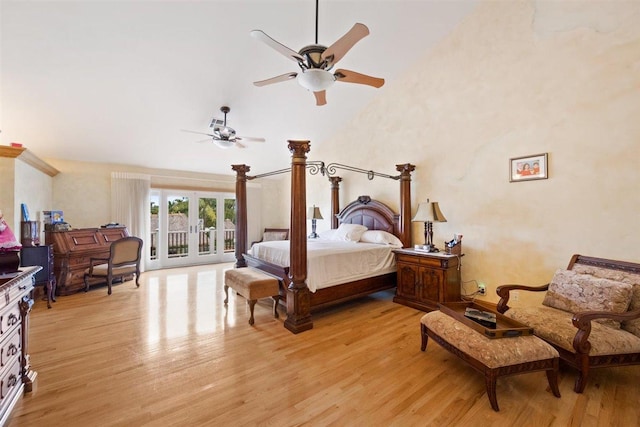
x=372, y=214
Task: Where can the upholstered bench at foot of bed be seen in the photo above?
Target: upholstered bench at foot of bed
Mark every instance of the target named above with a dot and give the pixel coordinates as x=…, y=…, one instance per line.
x=253, y=285
x=493, y=357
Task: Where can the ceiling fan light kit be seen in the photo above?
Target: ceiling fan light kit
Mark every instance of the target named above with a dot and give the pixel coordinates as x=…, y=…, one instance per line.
x=223, y=143
x=316, y=61
x=315, y=80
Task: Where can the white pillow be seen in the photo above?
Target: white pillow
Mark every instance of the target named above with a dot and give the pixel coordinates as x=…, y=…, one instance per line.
x=349, y=232
x=269, y=236
x=380, y=237
x=327, y=234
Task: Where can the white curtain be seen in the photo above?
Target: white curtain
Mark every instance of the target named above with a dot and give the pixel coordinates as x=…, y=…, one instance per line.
x=130, y=203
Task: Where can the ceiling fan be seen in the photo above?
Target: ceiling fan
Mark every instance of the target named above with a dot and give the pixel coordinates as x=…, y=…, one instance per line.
x=316, y=62
x=224, y=136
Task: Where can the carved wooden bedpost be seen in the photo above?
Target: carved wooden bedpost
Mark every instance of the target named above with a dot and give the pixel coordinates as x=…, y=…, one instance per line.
x=335, y=200
x=241, y=213
x=298, y=298
x=405, y=202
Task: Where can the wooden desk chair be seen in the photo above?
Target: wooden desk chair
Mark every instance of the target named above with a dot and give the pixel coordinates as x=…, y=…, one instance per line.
x=124, y=260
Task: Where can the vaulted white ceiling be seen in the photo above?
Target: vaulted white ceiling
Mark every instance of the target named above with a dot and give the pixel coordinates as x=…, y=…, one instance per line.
x=115, y=81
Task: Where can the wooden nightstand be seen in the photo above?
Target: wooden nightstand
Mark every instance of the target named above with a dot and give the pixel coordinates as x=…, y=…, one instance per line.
x=427, y=278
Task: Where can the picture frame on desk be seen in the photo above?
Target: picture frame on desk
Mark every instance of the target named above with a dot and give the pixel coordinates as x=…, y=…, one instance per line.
x=53, y=217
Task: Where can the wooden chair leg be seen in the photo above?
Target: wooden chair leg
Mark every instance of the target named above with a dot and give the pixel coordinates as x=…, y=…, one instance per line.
x=581, y=382
x=490, y=382
x=54, y=286
x=226, y=294
x=49, y=288
x=86, y=283
x=552, y=377
x=252, y=304
x=275, y=306
x=583, y=373
x=425, y=337
x=109, y=279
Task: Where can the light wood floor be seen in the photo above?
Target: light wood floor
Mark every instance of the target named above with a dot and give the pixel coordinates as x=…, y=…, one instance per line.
x=170, y=354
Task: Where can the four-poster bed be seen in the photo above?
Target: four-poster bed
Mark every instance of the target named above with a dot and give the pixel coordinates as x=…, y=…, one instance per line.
x=365, y=211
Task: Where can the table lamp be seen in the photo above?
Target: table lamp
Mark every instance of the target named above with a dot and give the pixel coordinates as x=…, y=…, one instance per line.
x=314, y=214
x=428, y=213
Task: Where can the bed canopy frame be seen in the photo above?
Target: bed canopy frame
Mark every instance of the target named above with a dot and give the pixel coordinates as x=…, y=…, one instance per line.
x=298, y=296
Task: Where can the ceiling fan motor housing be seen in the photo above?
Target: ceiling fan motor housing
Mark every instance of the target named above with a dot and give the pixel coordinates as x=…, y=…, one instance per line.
x=313, y=56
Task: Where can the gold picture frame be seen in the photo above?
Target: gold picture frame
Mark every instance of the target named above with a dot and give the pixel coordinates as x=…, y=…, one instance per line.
x=527, y=168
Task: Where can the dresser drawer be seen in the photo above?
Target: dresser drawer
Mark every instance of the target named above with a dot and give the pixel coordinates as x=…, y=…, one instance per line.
x=10, y=347
x=9, y=319
x=10, y=380
x=12, y=295
x=407, y=258
x=434, y=262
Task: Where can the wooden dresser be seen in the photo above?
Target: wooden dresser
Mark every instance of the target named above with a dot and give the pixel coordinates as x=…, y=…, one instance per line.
x=16, y=375
x=426, y=278
x=72, y=251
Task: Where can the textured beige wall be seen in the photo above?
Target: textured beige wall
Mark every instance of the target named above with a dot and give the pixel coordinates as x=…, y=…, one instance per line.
x=34, y=188
x=83, y=191
x=22, y=183
x=516, y=78
x=7, y=192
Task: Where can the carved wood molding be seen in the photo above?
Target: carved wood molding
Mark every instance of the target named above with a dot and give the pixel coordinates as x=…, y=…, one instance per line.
x=29, y=158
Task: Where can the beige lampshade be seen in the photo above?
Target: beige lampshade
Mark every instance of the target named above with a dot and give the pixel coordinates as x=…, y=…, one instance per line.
x=314, y=213
x=429, y=211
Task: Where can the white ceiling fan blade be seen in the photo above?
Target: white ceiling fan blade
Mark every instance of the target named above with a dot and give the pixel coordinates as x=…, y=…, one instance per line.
x=349, y=76
x=277, y=79
x=250, y=138
x=289, y=53
x=321, y=97
x=199, y=133
x=204, y=140
x=239, y=144
x=336, y=51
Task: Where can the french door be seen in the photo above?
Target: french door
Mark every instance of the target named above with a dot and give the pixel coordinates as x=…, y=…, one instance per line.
x=189, y=228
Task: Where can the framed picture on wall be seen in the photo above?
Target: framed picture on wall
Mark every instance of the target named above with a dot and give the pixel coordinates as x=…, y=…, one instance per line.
x=528, y=167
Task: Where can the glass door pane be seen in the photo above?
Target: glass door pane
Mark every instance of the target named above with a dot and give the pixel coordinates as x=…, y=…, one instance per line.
x=178, y=226
x=154, y=238
x=207, y=219
x=229, y=225
x=189, y=228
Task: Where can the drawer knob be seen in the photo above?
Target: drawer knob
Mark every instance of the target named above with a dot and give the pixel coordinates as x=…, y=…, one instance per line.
x=12, y=381
x=12, y=319
x=13, y=349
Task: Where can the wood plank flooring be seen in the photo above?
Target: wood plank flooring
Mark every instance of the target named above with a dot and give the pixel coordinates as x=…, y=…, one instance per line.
x=170, y=354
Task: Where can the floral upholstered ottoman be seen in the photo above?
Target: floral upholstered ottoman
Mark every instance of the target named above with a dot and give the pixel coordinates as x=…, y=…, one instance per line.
x=492, y=357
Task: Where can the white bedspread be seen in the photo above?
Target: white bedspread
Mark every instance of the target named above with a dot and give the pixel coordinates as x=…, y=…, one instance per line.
x=330, y=262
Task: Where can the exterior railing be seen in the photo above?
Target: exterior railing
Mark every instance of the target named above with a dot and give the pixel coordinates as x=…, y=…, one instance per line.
x=178, y=242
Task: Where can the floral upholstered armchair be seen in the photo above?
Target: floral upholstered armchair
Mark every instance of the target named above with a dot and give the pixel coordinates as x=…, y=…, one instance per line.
x=590, y=314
